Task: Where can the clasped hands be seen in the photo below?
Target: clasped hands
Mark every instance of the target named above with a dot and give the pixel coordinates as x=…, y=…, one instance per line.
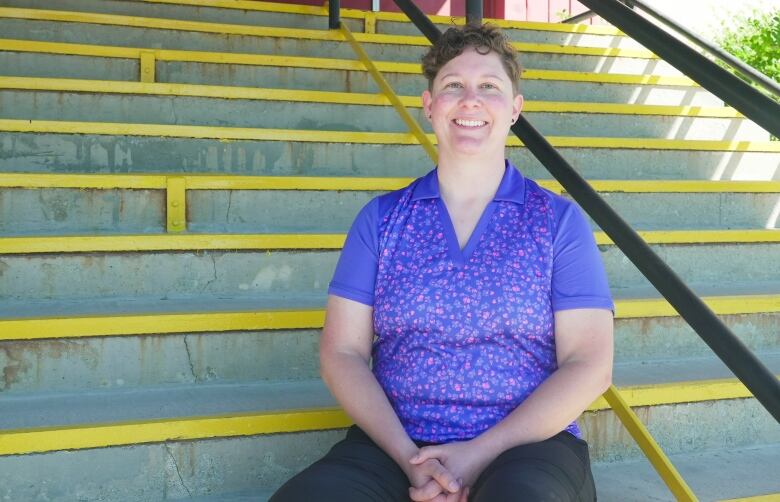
x=445, y=473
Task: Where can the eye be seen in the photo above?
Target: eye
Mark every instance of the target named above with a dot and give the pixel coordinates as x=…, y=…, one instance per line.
x=488, y=85
x=453, y=85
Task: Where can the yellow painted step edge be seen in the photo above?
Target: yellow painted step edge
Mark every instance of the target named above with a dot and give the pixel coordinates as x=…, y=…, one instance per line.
x=82, y=436
x=314, y=136
x=231, y=182
x=293, y=33
x=345, y=98
x=84, y=326
x=12, y=45
x=388, y=16
x=204, y=241
x=769, y=497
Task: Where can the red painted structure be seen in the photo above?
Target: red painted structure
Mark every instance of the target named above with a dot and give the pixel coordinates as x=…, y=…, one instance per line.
x=552, y=11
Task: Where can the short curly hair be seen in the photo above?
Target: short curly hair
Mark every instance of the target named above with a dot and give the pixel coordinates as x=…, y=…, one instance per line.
x=483, y=38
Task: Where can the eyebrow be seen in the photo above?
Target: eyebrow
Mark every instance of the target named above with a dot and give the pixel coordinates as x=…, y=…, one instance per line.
x=489, y=75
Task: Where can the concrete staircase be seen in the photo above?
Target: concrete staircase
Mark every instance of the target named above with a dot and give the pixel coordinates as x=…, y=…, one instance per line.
x=141, y=361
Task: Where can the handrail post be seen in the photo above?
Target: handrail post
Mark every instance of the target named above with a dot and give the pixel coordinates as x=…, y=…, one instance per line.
x=333, y=14
x=474, y=12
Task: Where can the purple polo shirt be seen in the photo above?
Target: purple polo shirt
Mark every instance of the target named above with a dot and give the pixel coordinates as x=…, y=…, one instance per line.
x=464, y=336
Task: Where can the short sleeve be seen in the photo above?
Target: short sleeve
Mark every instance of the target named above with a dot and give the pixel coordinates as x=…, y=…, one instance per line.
x=355, y=273
x=578, y=279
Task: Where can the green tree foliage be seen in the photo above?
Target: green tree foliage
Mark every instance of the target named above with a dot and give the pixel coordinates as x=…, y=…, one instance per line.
x=755, y=39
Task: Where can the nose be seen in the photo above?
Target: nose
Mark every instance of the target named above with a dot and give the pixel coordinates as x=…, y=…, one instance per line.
x=470, y=97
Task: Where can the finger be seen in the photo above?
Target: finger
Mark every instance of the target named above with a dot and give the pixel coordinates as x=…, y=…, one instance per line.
x=445, y=478
x=464, y=494
x=425, y=453
x=425, y=492
x=454, y=497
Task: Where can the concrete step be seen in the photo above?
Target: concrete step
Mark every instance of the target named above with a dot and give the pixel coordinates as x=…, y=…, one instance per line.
x=269, y=351
x=159, y=267
x=89, y=147
x=68, y=211
x=139, y=32
x=260, y=459
x=715, y=475
x=306, y=17
x=309, y=115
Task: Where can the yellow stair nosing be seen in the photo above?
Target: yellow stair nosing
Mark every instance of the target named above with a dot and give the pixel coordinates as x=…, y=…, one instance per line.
x=346, y=98
x=384, y=138
x=15, y=45
x=158, y=181
x=204, y=241
x=85, y=326
x=107, y=434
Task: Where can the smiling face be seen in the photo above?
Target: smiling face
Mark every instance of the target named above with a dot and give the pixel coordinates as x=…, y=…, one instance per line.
x=472, y=105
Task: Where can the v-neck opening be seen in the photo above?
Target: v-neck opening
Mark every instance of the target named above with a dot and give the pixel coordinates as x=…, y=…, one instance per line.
x=458, y=255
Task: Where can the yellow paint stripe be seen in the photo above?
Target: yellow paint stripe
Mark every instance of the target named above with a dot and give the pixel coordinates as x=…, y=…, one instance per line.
x=769, y=497
x=292, y=33
x=168, y=242
x=195, y=242
x=701, y=236
x=145, y=324
x=234, y=92
x=74, y=437
x=328, y=183
x=315, y=63
x=187, y=322
x=301, y=135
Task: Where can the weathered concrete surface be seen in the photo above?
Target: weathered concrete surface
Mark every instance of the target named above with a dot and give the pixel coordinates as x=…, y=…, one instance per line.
x=248, y=273
x=124, y=362
x=86, y=211
x=181, y=110
x=62, y=153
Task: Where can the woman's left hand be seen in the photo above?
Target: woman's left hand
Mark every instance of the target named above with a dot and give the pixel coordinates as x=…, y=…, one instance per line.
x=465, y=460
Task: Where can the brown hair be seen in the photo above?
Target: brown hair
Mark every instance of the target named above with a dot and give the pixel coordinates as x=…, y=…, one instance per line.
x=483, y=39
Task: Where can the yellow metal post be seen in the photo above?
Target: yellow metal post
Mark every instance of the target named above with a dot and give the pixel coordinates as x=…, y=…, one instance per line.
x=369, y=22
x=412, y=124
x=650, y=448
x=176, y=200
x=148, y=59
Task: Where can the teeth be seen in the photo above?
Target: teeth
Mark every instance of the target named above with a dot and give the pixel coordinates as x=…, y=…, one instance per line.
x=469, y=123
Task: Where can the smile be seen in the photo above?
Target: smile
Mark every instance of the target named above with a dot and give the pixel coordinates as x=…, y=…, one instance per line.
x=470, y=123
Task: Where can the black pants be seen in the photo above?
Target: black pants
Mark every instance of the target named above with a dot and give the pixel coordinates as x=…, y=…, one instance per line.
x=356, y=469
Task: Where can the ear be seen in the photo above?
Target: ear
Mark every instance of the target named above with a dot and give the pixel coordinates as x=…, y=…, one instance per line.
x=426, y=101
x=517, y=106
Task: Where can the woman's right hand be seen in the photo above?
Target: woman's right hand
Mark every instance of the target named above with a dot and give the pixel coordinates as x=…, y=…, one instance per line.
x=432, y=482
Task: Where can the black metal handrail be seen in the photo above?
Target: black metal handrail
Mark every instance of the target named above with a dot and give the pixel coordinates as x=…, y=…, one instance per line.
x=737, y=93
x=745, y=365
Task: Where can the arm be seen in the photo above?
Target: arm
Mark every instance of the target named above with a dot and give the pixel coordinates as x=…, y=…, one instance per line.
x=583, y=339
x=345, y=352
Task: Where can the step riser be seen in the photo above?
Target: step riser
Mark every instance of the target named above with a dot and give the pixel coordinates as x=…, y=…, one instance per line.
x=85, y=211
x=53, y=31
x=125, y=362
x=58, y=66
x=42, y=105
x=62, y=153
x=245, y=273
x=262, y=463
x=139, y=361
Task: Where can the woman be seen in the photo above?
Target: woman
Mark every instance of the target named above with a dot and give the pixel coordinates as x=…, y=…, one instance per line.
x=469, y=321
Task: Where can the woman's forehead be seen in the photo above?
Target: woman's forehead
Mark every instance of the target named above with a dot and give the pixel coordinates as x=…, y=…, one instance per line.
x=472, y=63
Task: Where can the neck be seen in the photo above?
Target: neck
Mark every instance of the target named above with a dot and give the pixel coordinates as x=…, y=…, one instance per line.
x=470, y=179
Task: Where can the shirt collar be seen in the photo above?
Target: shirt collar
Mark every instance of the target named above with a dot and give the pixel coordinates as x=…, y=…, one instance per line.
x=511, y=188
